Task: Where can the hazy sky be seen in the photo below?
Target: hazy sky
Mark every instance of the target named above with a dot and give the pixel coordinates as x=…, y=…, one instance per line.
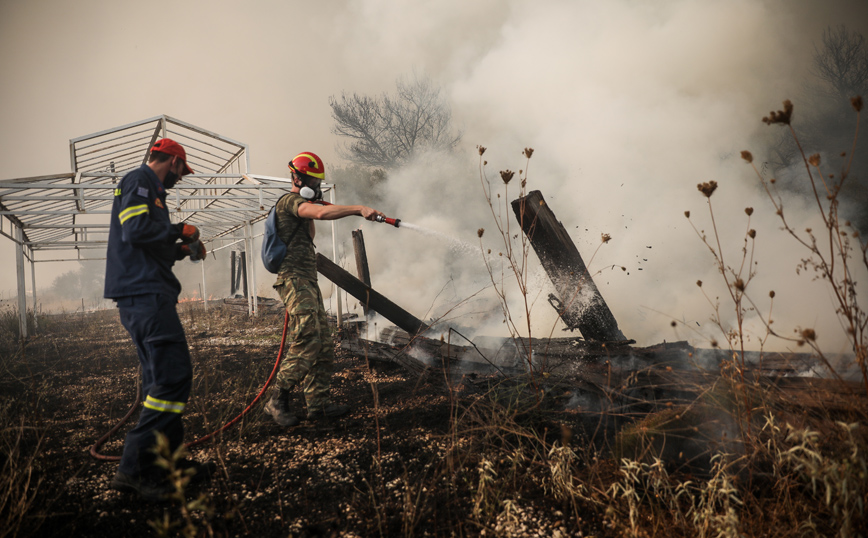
x=628, y=105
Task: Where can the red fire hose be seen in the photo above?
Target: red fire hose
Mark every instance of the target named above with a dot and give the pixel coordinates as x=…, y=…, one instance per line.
x=94, y=450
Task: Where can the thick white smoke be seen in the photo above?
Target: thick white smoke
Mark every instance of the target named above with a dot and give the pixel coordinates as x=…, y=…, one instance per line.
x=628, y=106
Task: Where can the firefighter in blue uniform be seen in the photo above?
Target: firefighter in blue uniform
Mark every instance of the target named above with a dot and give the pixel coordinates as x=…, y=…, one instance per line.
x=143, y=246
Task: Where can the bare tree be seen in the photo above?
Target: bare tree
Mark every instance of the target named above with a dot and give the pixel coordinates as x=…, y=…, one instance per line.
x=386, y=131
x=825, y=123
x=842, y=62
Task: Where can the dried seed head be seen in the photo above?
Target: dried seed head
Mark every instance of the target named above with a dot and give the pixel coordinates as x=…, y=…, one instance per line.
x=480, y=231
x=809, y=334
x=814, y=159
x=772, y=294
x=699, y=283
x=752, y=234
x=707, y=188
x=808, y=230
x=674, y=324
x=481, y=149
x=687, y=214
x=606, y=238
x=489, y=251
x=528, y=152
x=748, y=211
x=772, y=180
x=781, y=116
x=484, y=163
x=746, y=155
x=857, y=103
x=506, y=176
x=713, y=342
x=739, y=284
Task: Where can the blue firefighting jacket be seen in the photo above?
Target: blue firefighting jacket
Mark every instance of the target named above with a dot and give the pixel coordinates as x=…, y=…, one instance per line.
x=142, y=240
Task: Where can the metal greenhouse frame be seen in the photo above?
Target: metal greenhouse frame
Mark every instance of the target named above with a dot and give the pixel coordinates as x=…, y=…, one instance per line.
x=51, y=216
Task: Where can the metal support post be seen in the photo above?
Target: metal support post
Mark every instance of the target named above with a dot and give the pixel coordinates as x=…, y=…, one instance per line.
x=251, y=269
x=204, y=288
x=22, y=298
x=33, y=283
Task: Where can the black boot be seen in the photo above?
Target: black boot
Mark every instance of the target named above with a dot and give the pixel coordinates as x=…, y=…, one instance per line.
x=278, y=408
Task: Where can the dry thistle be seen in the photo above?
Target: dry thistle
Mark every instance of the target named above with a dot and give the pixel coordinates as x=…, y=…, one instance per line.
x=699, y=283
x=814, y=159
x=752, y=234
x=857, y=103
x=480, y=231
x=606, y=238
x=707, y=188
x=687, y=214
x=481, y=149
x=748, y=211
x=506, y=176
x=746, y=155
x=528, y=152
x=739, y=284
x=781, y=116
x=809, y=334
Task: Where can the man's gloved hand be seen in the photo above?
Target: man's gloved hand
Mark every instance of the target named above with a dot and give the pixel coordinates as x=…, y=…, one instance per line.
x=189, y=233
x=195, y=250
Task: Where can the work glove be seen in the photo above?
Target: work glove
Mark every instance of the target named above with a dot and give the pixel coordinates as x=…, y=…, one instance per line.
x=188, y=232
x=195, y=250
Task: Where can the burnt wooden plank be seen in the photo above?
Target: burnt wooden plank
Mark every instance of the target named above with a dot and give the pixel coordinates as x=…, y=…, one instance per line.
x=582, y=305
x=361, y=261
x=368, y=296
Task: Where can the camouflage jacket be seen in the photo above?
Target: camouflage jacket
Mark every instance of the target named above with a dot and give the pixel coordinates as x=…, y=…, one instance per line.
x=300, y=260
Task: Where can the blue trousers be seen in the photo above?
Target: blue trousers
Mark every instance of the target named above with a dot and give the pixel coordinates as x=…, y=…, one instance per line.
x=167, y=376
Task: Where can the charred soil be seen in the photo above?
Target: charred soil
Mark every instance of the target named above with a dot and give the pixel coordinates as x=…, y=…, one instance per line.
x=429, y=455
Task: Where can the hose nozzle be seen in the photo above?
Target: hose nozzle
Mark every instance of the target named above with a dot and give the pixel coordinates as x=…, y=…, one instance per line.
x=394, y=222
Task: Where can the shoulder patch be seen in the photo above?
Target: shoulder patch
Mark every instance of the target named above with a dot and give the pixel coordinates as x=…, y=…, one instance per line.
x=159, y=203
x=142, y=191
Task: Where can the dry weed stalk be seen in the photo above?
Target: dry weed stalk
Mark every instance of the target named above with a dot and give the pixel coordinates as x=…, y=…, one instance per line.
x=832, y=253
x=516, y=249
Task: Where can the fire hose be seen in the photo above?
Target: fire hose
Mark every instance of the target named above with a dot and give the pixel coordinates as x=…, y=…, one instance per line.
x=94, y=450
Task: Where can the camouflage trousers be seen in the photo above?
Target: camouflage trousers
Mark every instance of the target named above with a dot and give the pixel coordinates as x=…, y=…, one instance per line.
x=309, y=358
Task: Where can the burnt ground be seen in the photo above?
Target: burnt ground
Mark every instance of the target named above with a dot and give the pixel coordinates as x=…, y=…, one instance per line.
x=628, y=447
x=401, y=463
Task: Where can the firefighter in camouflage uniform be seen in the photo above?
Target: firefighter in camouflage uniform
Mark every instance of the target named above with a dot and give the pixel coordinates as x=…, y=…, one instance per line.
x=310, y=356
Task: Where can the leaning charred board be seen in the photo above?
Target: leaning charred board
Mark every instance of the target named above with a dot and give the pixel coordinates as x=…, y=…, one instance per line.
x=368, y=297
x=582, y=305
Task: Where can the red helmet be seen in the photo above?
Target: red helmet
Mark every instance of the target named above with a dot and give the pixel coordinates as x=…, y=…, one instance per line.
x=309, y=164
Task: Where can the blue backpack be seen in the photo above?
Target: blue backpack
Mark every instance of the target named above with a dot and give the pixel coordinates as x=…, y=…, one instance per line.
x=273, y=247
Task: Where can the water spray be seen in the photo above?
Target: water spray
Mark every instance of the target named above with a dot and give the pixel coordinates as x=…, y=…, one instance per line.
x=394, y=222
